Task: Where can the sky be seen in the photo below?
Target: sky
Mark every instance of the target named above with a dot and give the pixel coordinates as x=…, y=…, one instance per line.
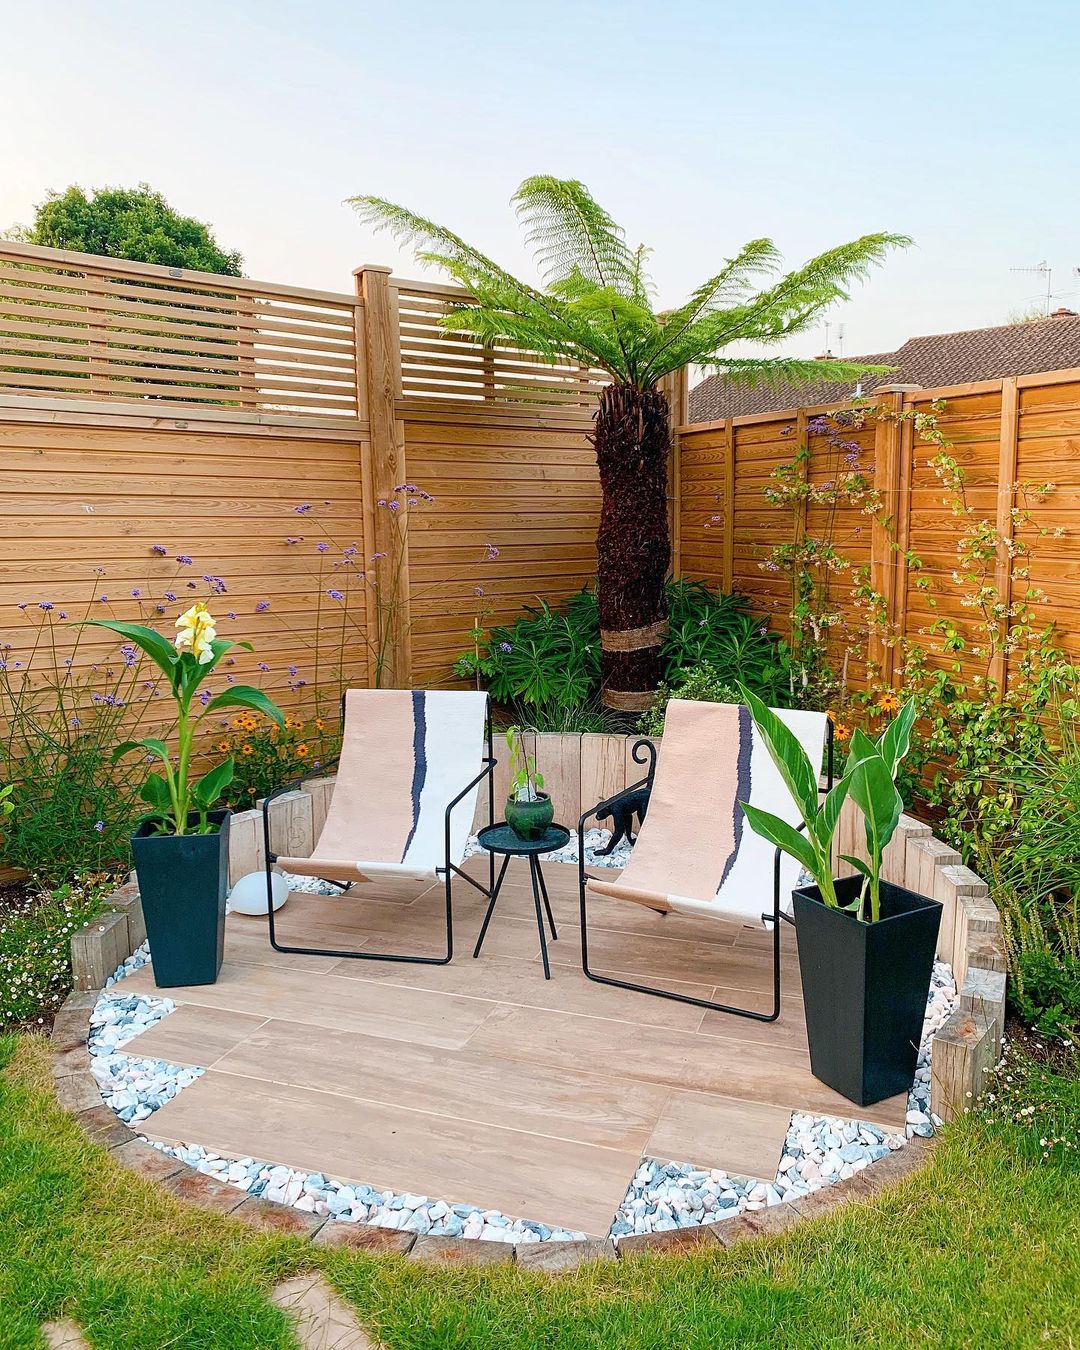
x=699, y=126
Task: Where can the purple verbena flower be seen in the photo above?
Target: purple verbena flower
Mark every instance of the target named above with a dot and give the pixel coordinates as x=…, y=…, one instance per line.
x=160, y=550
x=46, y=605
x=294, y=670
x=322, y=546
x=264, y=667
x=184, y=560
x=136, y=593
x=262, y=606
x=170, y=596
x=302, y=509
x=505, y=647
x=204, y=697
x=75, y=722
x=335, y=594
x=294, y=539
x=99, y=825
x=491, y=551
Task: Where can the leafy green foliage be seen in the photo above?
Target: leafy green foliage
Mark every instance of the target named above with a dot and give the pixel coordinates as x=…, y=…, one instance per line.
x=133, y=223
x=36, y=928
x=869, y=781
x=525, y=782
x=547, y=660
x=595, y=305
x=185, y=664
x=545, y=666
x=709, y=628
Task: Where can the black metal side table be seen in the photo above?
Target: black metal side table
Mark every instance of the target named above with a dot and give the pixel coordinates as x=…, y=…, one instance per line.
x=502, y=839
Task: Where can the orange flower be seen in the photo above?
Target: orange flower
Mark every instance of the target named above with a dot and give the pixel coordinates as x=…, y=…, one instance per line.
x=302, y=751
x=247, y=749
x=319, y=724
x=841, y=731
x=888, y=702
x=223, y=746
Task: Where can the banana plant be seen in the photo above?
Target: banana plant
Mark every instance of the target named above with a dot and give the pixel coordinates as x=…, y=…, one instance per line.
x=868, y=779
x=173, y=795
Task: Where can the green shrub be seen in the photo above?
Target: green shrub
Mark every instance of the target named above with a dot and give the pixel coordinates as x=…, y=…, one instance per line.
x=545, y=666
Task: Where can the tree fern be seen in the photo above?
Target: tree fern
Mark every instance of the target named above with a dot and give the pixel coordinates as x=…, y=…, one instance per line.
x=594, y=306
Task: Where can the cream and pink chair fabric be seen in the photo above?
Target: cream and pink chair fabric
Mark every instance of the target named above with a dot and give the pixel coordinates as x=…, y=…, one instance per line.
x=695, y=852
x=405, y=755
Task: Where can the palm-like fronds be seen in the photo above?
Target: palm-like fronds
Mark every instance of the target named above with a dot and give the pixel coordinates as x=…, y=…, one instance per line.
x=595, y=305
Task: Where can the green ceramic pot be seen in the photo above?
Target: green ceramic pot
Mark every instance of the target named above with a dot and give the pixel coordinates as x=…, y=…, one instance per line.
x=529, y=820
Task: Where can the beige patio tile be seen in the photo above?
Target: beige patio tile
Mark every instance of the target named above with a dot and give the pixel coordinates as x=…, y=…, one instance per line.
x=742, y=1138
x=612, y=1112
x=194, y=1034
x=555, y=1181
x=323, y=1321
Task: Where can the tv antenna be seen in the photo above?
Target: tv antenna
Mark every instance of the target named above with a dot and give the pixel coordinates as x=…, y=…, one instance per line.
x=839, y=339
x=1040, y=269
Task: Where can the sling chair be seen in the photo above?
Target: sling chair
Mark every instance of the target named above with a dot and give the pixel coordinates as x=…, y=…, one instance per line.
x=401, y=805
x=695, y=854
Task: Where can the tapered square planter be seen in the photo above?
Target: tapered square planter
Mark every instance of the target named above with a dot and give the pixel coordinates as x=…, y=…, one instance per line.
x=182, y=883
x=865, y=987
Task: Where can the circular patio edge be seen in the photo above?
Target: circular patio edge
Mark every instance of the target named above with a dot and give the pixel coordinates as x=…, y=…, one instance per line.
x=77, y=1092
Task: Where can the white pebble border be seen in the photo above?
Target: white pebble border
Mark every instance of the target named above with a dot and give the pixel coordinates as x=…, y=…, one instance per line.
x=818, y=1150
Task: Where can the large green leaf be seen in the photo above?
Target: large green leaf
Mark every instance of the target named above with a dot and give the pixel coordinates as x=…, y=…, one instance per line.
x=784, y=836
x=874, y=793
x=155, y=790
x=791, y=760
x=158, y=748
x=829, y=815
x=245, y=696
x=895, y=740
x=159, y=649
x=211, y=785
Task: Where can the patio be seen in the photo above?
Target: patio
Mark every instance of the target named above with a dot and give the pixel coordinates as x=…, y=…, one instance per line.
x=481, y=1082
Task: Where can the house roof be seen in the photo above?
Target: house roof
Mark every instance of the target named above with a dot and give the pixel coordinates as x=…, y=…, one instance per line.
x=937, y=359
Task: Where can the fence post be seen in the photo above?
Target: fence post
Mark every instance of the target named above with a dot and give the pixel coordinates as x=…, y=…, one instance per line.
x=885, y=561
x=381, y=367
x=1006, y=488
x=676, y=387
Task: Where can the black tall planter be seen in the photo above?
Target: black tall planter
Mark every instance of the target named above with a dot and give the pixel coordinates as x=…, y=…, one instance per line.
x=865, y=987
x=182, y=883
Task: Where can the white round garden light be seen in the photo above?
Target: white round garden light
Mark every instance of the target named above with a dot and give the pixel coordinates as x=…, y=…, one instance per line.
x=248, y=896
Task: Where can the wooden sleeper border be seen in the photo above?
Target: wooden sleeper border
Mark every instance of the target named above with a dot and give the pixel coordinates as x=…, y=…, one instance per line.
x=965, y=1048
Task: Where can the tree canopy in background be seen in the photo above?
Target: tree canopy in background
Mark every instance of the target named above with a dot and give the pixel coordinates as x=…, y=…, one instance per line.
x=134, y=223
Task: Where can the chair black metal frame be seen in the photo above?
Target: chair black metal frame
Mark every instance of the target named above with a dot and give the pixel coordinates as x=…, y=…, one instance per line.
x=449, y=870
x=775, y=917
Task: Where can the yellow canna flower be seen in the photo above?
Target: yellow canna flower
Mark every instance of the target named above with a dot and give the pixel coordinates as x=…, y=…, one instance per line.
x=195, y=632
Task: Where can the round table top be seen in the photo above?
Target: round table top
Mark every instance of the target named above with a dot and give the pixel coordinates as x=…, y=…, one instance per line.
x=501, y=838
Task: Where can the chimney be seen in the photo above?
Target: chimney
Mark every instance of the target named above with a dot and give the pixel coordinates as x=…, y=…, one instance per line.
x=1062, y=313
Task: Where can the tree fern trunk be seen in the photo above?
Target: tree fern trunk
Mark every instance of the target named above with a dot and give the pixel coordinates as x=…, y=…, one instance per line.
x=633, y=546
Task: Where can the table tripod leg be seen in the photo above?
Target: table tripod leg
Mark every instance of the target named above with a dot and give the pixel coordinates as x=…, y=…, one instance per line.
x=547, y=902
x=491, y=906
x=537, y=883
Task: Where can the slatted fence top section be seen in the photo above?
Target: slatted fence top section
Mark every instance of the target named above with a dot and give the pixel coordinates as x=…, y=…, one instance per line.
x=72, y=325
x=437, y=363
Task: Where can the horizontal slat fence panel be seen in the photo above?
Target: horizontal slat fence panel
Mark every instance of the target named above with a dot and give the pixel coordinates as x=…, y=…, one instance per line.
x=513, y=522
x=439, y=364
x=107, y=329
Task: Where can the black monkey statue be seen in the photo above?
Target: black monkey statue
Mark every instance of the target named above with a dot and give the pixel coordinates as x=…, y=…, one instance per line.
x=622, y=809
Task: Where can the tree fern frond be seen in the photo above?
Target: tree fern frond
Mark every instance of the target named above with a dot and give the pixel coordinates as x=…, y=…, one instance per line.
x=792, y=370
x=569, y=230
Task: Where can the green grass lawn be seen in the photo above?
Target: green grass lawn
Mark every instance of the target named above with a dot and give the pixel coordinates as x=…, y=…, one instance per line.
x=981, y=1248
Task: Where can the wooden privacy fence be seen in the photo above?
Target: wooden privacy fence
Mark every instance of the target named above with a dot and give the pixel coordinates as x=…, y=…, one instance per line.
x=144, y=405
x=1007, y=435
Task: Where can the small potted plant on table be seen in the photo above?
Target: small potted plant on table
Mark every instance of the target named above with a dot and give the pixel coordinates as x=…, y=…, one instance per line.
x=181, y=846
x=529, y=810
x=866, y=947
